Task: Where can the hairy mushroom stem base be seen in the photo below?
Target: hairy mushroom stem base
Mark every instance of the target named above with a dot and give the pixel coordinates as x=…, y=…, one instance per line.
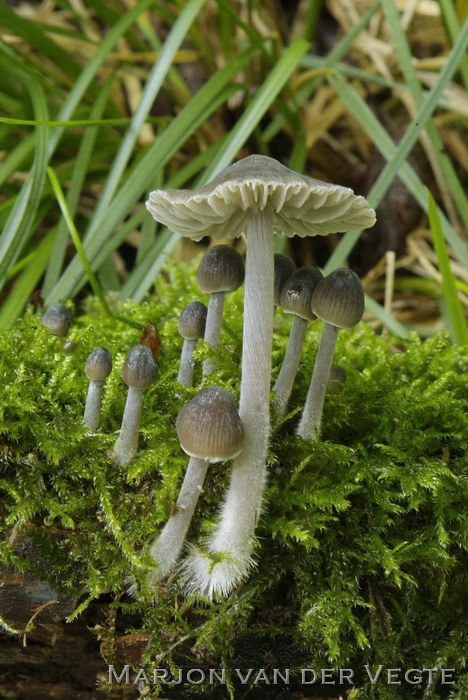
x=231, y=543
x=93, y=405
x=187, y=362
x=311, y=419
x=213, y=326
x=284, y=383
x=167, y=547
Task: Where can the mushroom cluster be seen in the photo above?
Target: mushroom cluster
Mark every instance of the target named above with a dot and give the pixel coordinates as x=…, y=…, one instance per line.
x=258, y=197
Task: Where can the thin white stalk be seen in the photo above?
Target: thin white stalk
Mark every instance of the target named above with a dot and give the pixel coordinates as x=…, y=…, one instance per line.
x=233, y=537
x=187, y=363
x=311, y=419
x=126, y=445
x=93, y=405
x=214, y=319
x=167, y=547
x=284, y=383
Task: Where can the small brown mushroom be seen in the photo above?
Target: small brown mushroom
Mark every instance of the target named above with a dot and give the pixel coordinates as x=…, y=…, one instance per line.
x=339, y=301
x=209, y=430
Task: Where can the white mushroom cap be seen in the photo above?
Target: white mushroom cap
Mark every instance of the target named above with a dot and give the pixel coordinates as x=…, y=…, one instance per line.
x=302, y=205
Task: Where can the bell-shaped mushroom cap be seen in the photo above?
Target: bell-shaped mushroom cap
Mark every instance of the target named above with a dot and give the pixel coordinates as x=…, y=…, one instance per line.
x=302, y=205
x=221, y=270
x=298, y=290
x=140, y=369
x=98, y=364
x=192, y=320
x=209, y=426
x=339, y=299
x=57, y=319
x=284, y=267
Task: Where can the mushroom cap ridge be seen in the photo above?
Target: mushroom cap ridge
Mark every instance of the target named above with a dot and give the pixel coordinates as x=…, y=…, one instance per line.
x=302, y=205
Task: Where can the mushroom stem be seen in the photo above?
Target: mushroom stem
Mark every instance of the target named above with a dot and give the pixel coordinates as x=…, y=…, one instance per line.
x=166, y=549
x=242, y=504
x=284, y=383
x=309, y=425
x=126, y=445
x=93, y=405
x=187, y=362
x=213, y=327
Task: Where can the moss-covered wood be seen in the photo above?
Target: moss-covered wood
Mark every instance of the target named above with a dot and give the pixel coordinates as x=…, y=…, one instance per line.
x=361, y=554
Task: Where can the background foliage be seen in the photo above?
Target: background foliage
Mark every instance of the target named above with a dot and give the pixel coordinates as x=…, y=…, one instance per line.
x=362, y=549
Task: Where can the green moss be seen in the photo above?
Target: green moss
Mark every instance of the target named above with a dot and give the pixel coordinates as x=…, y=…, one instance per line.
x=361, y=554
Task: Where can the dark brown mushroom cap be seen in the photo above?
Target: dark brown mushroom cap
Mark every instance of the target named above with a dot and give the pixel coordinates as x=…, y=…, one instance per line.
x=339, y=299
x=57, y=319
x=209, y=426
x=140, y=369
x=192, y=320
x=98, y=364
x=221, y=270
x=284, y=267
x=298, y=290
x=302, y=205
x=336, y=378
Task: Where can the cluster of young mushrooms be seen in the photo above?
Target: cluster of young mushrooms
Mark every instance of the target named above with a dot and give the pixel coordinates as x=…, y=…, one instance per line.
x=258, y=197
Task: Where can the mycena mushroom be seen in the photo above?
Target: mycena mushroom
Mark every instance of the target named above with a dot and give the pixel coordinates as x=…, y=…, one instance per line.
x=138, y=372
x=295, y=299
x=259, y=197
x=192, y=322
x=339, y=301
x=221, y=270
x=209, y=430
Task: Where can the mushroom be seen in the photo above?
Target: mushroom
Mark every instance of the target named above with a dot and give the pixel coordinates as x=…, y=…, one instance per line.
x=221, y=270
x=138, y=372
x=258, y=196
x=97, y=368
x=336, y=379
x=192, y=322
x=209, y=430
x=57, y=319
x=284, y=267
x=339, y=301
x=295, y=299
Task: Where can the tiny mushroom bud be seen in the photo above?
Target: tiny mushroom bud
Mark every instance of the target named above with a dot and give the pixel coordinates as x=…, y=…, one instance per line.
x=221, y=270
x=97, y=368
x=138, y=372
x=257, y=196
x=284, y=267
x=57, y=319
x=192, y=323
x=339, y=301
x=336, y=379
x=295, y=299
x=209, y=430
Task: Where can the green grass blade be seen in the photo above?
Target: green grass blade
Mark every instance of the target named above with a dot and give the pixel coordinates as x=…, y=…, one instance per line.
x=77, y=179
x=409, y=71
x=33, y=33
x=204, y=103
x=340, y=50
x=16, y=158
x=454, y=307
x=19, y=223
x=76, y=240
x=27, y=282
x=151, y=90
x=87, y=74
x=356, y=105
x=387, y=320
x=268, y=92
x=451, y=22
